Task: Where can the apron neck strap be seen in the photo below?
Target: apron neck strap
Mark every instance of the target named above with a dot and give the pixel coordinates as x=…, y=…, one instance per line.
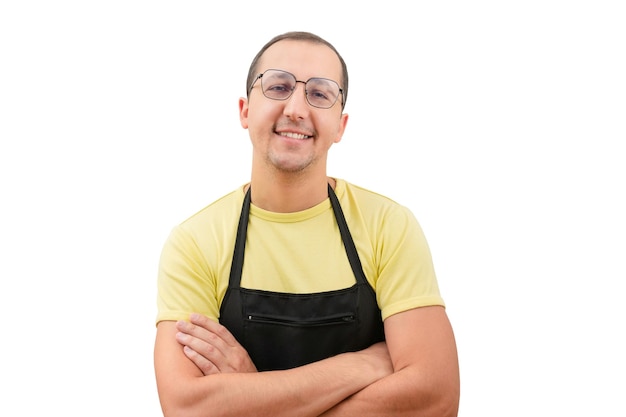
x=240, y=241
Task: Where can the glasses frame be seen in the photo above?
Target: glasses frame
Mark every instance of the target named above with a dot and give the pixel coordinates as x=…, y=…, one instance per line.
x=306, y=94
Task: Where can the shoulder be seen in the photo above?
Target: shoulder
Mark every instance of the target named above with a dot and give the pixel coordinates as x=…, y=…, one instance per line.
x=215, y=219
x=226, y=206
x=368, y=202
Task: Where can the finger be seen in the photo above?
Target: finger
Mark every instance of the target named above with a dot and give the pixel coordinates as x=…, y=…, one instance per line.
x=204, y=347
x=234, y=356
x=206, y=341
x=205, y=365
x=218, y=344
x=213, y=327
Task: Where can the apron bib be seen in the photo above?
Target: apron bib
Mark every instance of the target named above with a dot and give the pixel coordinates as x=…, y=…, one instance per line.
x=283, y=330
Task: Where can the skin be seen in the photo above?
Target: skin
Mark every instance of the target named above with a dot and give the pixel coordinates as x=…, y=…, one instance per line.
x=201, y=370
x=290, y=174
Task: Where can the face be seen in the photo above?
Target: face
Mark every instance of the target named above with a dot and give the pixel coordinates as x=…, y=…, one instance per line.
x=290, y=135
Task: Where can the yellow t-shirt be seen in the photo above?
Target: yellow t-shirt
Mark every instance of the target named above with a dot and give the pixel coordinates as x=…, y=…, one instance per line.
x=299, y=252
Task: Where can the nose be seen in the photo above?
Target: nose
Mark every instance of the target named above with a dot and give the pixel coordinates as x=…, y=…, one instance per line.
x=296, y=106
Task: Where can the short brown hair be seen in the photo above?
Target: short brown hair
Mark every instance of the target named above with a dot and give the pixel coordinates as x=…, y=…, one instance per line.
x=298, y=36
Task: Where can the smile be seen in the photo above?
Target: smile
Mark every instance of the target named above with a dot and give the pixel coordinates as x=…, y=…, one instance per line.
x=293, y=135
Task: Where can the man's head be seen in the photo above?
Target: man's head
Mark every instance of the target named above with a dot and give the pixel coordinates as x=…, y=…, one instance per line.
x=293, y=110
x=253, y=72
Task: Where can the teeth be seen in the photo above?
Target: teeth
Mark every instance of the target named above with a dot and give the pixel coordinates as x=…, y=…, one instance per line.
x=293, y=135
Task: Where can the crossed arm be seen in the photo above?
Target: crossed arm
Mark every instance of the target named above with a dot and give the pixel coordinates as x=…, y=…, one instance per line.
x=202, y=371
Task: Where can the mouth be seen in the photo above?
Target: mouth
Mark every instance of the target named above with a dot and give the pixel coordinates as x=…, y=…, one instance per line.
x=294, y=135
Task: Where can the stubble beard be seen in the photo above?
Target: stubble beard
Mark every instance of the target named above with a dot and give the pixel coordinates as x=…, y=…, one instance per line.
x=290, y=164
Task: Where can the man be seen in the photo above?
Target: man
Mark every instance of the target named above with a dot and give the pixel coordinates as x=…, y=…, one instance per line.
x=272, y=299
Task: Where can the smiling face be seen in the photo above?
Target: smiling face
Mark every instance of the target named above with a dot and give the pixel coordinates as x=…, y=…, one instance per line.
x=291, y=136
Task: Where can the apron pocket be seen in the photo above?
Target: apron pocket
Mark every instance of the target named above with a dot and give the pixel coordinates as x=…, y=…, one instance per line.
x=283, y=331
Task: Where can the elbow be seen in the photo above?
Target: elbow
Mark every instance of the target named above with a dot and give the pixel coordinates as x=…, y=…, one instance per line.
x=448, y=408
x=179, y=407
x=443, y=405
x=172, y=411
x=183, y=399
x=437, y=399
x=447, y=403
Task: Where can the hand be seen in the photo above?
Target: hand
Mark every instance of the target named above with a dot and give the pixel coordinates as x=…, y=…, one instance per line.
x=212, y=347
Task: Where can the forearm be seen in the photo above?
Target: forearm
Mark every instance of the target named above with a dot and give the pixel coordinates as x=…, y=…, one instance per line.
x=407, y=392
x=305, y=391
x=425, y=381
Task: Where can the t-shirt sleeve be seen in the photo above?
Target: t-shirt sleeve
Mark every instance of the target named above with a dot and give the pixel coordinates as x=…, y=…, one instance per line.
x=406, y=276
x=185, y=283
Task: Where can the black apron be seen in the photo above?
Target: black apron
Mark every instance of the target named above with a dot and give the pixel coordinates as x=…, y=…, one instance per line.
x=283, y=330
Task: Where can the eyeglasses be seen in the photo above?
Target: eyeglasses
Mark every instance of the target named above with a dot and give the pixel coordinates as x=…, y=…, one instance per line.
x=280, y=85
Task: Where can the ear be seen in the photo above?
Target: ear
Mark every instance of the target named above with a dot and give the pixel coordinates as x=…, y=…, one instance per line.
x=342, y=127
x=243, y=112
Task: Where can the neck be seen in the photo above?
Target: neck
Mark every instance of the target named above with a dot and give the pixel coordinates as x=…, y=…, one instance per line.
x=287, y=194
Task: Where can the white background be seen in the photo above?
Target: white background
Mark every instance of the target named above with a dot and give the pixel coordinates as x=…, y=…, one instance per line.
x=500, y=124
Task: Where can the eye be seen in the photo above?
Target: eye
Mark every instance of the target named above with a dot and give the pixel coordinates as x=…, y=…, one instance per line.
x=279, y=88
x=278, y=84
x=318, y=95
x=322, y=92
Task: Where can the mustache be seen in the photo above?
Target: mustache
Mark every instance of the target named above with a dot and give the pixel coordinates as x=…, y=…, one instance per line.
x=303, y=128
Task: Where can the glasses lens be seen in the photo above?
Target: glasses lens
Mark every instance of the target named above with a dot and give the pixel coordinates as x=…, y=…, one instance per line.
x=322, y=92
x=277, y=85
